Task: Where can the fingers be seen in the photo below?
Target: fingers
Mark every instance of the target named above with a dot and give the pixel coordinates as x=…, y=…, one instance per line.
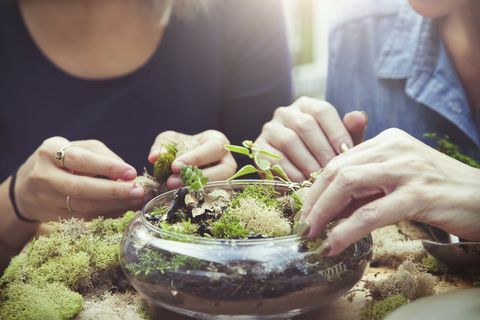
x=292, y=172
x=210, y=151
x=97, y=147
x=224, y=170
x=349, y=184
x=329, y=120
x=291, y=145
x=356, y=123
x=306, y=127
x=164, y=138
x=381, y=212
x=87, y=162
x=84, y=187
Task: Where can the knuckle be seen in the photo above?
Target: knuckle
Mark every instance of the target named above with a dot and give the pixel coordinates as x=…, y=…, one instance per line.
x=166, y=135
x=36, y=175
x=268, y=127
x=280, y=112
x=304, y=100
x=288, y=140
x=303, y=123
x=330, y=171
x=369, y=215
x=347, y=178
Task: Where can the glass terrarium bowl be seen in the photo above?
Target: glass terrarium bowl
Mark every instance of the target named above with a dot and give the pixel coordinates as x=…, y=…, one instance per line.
x=208, y=278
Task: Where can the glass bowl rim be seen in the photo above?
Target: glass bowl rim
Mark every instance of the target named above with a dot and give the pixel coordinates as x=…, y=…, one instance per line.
x=220, y=241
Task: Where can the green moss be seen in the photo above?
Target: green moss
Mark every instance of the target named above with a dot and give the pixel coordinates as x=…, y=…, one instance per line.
x=67, y=270
x=264, y=194
x=450, y=149
x=69, y=258
x=228, y=227
x=183, y=227
x=101, y=227
x=28, y=302
x=15, y=270
x=378, y=310
x=433, y=265
x=251, y=215
x=162, y=167
x=104, y=255
x=152, y=261
x=159, y=211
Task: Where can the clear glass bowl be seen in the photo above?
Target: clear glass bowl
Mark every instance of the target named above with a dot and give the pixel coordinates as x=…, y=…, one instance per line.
x=207, y=278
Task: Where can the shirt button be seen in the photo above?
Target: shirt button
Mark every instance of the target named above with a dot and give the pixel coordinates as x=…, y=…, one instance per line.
x=455, y=107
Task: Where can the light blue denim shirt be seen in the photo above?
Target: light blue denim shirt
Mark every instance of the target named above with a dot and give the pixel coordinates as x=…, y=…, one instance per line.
x=389, y=61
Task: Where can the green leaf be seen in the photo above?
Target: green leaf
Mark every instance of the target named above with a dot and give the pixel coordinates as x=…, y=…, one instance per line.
x=262, y=164
x=276, y=168
x=247, y=144
x=237, y=149
x=244, y=171
x=270, y=154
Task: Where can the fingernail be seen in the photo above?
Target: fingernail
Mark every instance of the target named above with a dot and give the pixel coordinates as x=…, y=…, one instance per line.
x=366, y=116
x=129, y=174
x=325, y=248
x=137, y=192
x=344, y=147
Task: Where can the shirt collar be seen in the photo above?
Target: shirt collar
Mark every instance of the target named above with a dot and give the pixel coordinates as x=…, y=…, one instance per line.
x=414, y=51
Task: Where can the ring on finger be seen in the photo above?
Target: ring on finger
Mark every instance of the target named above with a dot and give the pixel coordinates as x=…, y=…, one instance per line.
x=60, y=155
x=69, y=207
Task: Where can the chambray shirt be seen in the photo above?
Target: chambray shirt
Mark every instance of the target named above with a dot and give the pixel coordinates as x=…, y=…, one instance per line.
x=391, y=62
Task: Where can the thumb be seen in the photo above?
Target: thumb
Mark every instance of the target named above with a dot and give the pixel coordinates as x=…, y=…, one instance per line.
x=356, y=124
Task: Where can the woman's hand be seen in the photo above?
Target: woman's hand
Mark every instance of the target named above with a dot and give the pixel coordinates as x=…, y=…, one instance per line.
x=209, y=155
x=88, y=177
x=390, y=178
x=308, y=134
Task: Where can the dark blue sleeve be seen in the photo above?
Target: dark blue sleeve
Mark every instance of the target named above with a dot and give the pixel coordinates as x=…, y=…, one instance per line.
x=260, y=70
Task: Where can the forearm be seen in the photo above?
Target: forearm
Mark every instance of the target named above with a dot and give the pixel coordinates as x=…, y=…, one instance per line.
x=14, y=234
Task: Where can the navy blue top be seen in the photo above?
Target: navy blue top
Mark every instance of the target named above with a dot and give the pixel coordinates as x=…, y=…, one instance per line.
x=391, y=62
x=226, y=70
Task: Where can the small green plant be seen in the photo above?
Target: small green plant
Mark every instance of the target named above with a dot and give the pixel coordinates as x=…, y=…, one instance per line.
x=162, y=167
x=433, y=265
x=182, y=227
x=262, y=165
x=193, y=177
x=447, y=147
x=152, y=261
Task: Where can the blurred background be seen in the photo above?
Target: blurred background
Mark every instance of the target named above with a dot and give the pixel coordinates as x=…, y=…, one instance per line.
x=307, y=23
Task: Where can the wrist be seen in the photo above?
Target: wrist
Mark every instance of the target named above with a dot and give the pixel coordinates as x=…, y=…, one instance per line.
x=13, y=200
x=14, y=233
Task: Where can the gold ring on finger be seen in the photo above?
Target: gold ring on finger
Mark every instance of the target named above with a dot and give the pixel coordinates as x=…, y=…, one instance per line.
x=60, y=155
